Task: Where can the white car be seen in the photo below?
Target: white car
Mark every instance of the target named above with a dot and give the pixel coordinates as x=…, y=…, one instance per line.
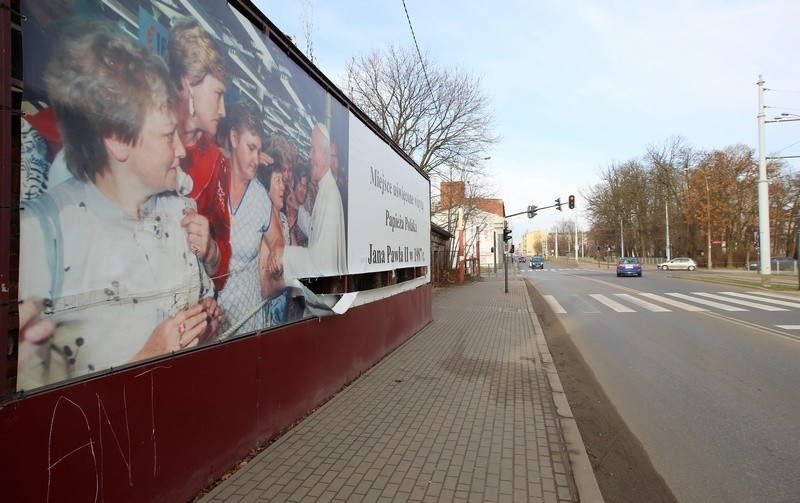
x=678, y=263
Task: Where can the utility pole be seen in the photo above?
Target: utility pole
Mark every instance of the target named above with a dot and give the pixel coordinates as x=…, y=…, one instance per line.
x=556, y=248
x=666, y=211
x=763, y=194
x=577, y=247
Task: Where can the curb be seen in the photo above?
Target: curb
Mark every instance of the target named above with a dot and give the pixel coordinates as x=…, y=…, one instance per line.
x=585, y=481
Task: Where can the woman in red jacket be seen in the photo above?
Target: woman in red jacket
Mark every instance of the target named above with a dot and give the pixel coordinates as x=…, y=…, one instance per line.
x=197, y=68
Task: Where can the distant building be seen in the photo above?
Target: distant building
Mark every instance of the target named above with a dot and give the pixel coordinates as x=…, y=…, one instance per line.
x=535, y=243
x=483, y=222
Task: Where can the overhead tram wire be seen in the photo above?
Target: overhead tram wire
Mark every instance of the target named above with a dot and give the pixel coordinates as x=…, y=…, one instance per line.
x=781, y=90
x=421, y=60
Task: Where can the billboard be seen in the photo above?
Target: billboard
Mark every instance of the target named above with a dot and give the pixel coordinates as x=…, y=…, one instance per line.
x=393, y=206
x=183, y=182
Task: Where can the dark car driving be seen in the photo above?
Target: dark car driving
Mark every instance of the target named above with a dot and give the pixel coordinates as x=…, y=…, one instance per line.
x=629, y=266
x=537, y=262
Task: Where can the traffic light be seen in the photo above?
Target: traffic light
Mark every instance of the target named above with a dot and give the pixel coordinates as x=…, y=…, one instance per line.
x=506, y=234
x=571, y=202
x=531, y=211
x=558, y=204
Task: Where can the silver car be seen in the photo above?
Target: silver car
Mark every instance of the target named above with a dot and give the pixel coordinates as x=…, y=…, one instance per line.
x=678, y=263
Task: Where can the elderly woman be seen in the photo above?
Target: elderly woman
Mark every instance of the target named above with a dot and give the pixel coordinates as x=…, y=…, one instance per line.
x=277, y=237
x=197, y=69
x=250, y=209
x=107, y=272
x=299, y=218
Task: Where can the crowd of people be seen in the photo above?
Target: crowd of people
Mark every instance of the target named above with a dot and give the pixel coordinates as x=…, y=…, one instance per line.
x=179, y=220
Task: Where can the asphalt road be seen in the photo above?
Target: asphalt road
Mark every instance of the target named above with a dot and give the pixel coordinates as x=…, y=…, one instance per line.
x=706, y=375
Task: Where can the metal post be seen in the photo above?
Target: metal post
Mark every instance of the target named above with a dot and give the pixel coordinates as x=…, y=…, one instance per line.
x=763, y=194
x=495, y=252
x=797, y=246
x=460, y=273
x=478, y=249
x=505, y=267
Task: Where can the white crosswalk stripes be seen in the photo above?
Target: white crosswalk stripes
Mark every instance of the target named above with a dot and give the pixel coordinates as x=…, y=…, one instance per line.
x=709, y=303
x=767, y=297
x=643, y=303
x=773, y=294
x=613, y=304
x=674, y=303
x=554, y=305
x=740, y=302
x=667, y=302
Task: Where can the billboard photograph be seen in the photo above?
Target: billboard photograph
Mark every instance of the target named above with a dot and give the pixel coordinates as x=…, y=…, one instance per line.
x=183, y=181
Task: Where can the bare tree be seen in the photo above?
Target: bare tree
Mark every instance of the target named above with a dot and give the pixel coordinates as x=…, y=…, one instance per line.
x=669, y=164
x=709, y=197
x=440, y=117
x=621, y=208
x=307, y=20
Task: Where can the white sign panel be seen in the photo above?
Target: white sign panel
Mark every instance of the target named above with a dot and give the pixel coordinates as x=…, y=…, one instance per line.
x=389, y=207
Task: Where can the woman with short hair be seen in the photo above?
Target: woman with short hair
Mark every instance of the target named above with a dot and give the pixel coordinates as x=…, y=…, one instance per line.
x=250, y=209
x=108, y=270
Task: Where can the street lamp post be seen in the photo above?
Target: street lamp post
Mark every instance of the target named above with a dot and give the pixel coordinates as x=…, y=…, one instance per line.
x=556, y=248
x=708, y=221
x=708, y=213
x=577, y=247
x=763, y=194
x=666, y=213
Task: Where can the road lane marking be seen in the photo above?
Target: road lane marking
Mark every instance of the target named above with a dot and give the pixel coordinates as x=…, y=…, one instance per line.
x=789, y=327
x=777, y=301
x=611, y=303
x=754, y=305
x=775, y=295
x=643, y=303
x=709, y=303
x=674, y=303
x=554, y=305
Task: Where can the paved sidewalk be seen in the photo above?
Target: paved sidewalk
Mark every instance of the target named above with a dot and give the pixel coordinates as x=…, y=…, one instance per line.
x=469, y=409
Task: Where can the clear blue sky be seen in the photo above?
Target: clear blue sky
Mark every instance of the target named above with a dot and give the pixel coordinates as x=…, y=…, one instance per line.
x=579, y=85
